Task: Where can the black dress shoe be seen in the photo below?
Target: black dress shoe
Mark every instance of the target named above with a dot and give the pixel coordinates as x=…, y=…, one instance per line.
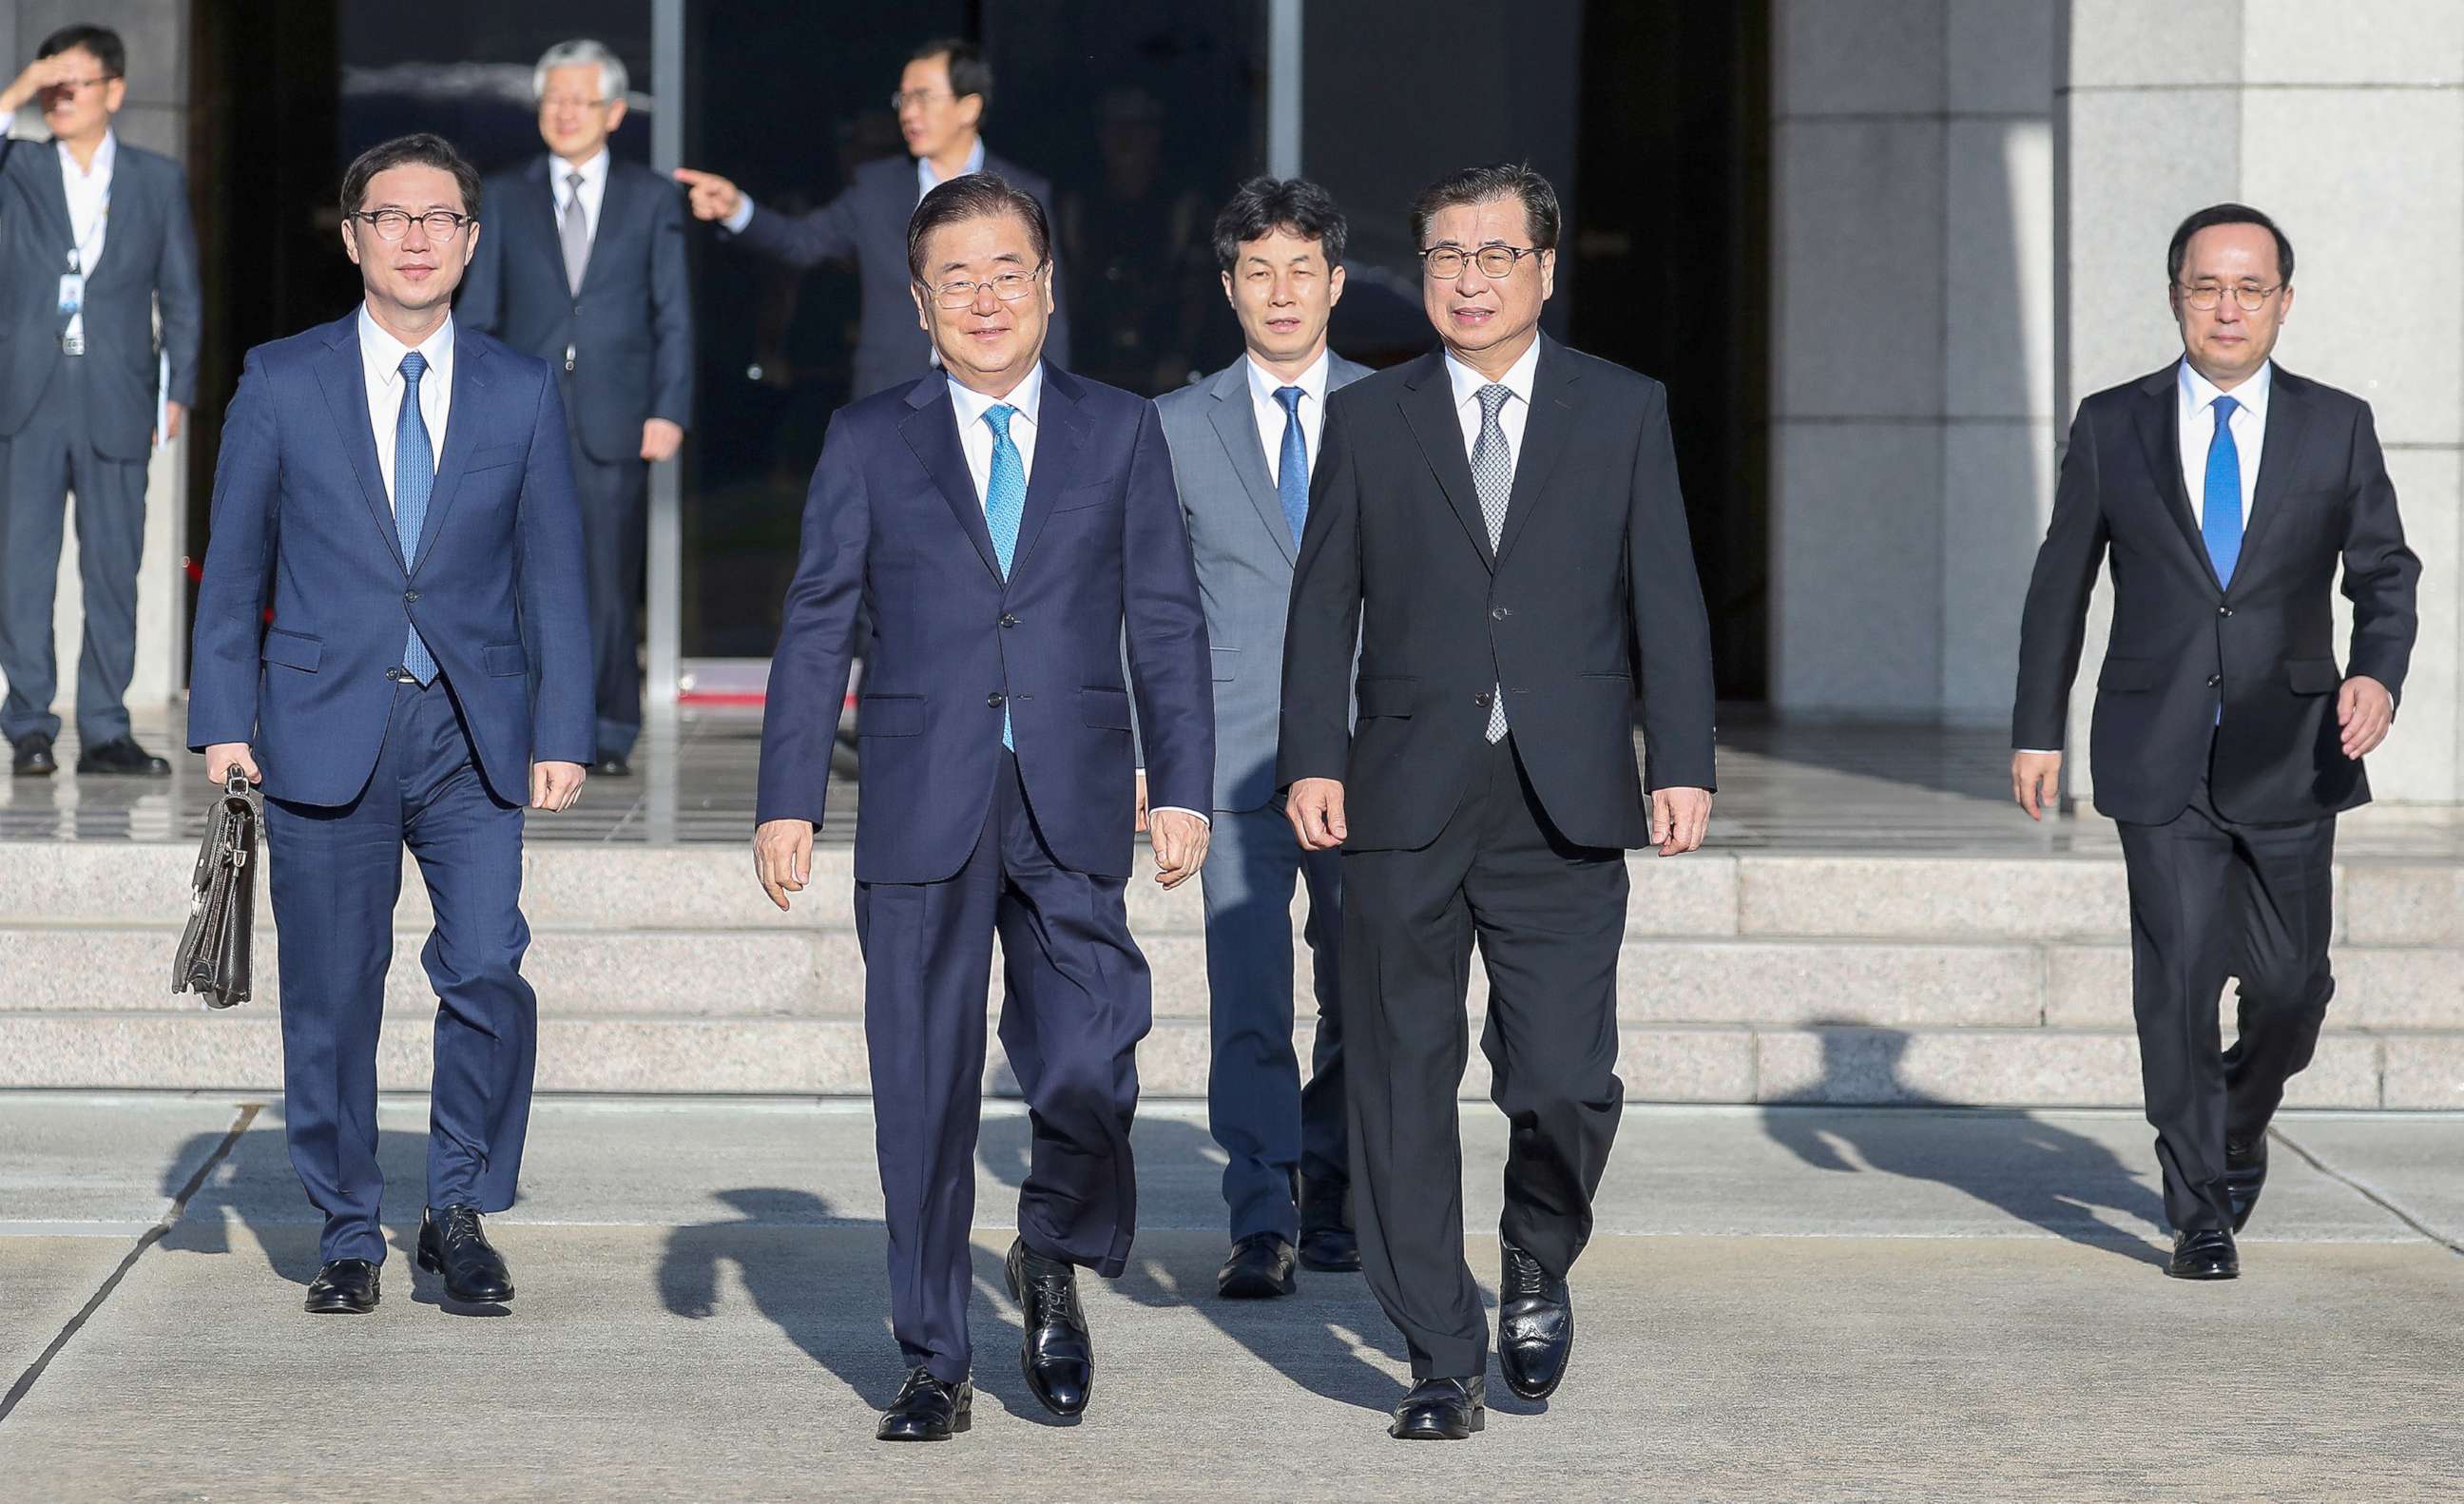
x=2245, y=1176
x=1057, y=1355
x=1535, y=1325
x=2204, y=1254
x=1442, y=1410
x=452, y=1244
x=1260, y=1269
x=926, y=1409
x=31, y=756
x=1327, y=1241
x=612, y=764
x=343, y=1287
x=122, y=758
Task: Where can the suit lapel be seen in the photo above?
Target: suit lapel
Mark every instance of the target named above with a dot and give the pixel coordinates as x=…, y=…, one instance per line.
x=53, y=194
x=1546, y=428
x=614, y=200
x=1236, y=424
x=932, y=430
x=1429, y=408
x=2157, y=416
x=462, y=422
x=1061, y=434
x=341, y=372
x=541, y=210
x=125, y=208
x=2288, y=410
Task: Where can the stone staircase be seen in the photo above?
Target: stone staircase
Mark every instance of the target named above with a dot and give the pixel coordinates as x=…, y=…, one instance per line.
x=1747, y=978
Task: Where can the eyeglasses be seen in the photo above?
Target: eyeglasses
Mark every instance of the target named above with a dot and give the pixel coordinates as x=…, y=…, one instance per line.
x=920, y=98
x=392, y=224
x=1445, y=263
x=2206, y=296
x=566, y=101
x=1009, y=287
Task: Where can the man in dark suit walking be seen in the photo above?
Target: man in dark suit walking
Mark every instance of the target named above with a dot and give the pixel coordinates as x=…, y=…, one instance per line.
x=583, y=266
x=95, y=241
x=1497, y=526
x=941, y=100
x=1011, y=529
x=1243, y=441
x=400, y=492
x=2227, y=492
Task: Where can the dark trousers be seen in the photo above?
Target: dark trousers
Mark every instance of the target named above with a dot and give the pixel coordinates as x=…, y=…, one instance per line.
x=1078, y=1002
x=614, y=539
x=336, y=872
x=2212, y=898
x=1549, y=917
x=1275, y=1130
x=41, y=465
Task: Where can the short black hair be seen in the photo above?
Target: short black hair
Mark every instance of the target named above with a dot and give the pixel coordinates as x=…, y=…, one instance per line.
x=421, y=149
x=101, y=40
x=969, y=73
x=1481, y=185
x=974, y=195
x=2216, y=214
x=1264, y=205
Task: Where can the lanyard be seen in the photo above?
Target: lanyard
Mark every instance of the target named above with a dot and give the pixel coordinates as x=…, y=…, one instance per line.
x=77, y=257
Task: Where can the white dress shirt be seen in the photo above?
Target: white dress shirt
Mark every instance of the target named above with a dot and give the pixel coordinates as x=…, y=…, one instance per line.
x=380, y=366
x=926, y=181
x=593, y=190
x=976, y=439
x=1263, y=384
x=89, y=195
x=2195, y=405
x=1511, y=417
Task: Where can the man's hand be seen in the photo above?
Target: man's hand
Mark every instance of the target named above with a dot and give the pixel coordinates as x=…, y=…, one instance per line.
x=1680, y=819
x=1315, y=808
x=1141, y=826
x=172, y=413
x=2036, y=781
x=2365, y=710
x=556, y=785
x=711, y=197
x=43, y=73
x=1179, y=839
x=224, y=755
x=660, y=439
x=782, y=858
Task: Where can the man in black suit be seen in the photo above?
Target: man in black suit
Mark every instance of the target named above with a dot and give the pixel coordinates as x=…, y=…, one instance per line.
x=584, y=267
x=95, y=242
x=1489, y=789
x=2227, y=492
x=941, y=99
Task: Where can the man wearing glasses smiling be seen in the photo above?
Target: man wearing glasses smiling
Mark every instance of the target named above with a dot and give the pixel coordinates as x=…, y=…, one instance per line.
x=95, y=239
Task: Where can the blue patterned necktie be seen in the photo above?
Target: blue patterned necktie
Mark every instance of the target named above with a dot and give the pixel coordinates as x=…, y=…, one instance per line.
x=414, y=477
x=1492, y=474
x=1005, y=504
x=1291, y=466
x=2220, y=518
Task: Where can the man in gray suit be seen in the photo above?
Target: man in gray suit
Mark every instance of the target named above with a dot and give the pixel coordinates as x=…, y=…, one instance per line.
x=93, y=234
x=1243, y=441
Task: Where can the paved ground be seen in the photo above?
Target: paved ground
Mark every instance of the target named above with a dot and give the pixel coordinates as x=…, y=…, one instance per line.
x=1782, y=1304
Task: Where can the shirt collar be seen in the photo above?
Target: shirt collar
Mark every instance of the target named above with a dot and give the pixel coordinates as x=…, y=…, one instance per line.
x=2198, y=393
x=924, y=180
x=381, y=353
x=1467, y=382
x=1027, y=397
x=105, y=156
x=1263, y=384
x=594, y=172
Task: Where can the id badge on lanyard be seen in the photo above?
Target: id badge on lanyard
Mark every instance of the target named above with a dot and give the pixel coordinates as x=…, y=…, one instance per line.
x=73, y=286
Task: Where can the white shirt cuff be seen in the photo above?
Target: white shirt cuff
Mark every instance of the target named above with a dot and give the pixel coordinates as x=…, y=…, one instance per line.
x=735, y=223
x=1177, y=810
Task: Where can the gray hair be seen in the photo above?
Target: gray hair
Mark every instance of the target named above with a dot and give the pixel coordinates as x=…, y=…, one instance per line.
x=582, y=51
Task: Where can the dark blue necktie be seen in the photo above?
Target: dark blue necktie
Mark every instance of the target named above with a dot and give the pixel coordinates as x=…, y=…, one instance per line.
x=2221, y=518
x=414, y=477
x=1291, y=469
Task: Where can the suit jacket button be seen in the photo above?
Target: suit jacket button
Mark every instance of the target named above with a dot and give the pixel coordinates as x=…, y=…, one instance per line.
x=1499, y=614
x=2223, y=610
x=2214, y=679
x=1481, y=698
x=994, y=700
x=1008, y=620
x=411, y=596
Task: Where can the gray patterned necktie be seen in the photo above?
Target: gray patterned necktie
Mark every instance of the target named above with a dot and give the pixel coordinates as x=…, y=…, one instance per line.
x=1492, y=474
x=574, y=233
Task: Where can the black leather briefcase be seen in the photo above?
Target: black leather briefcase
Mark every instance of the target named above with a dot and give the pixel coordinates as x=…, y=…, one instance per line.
x=222, y=913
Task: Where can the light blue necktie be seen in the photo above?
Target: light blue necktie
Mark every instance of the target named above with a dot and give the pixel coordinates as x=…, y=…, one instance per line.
x=1005, y=504
x=414, y=477
x=1291, y=469
x=2221, y=518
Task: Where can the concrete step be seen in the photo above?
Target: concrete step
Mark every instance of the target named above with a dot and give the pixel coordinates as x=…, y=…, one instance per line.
x=820, y=974
x=241, y=1051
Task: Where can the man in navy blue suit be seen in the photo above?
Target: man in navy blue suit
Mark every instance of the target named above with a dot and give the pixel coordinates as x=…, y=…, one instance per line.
x=1009, y=528
x=400, y=494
